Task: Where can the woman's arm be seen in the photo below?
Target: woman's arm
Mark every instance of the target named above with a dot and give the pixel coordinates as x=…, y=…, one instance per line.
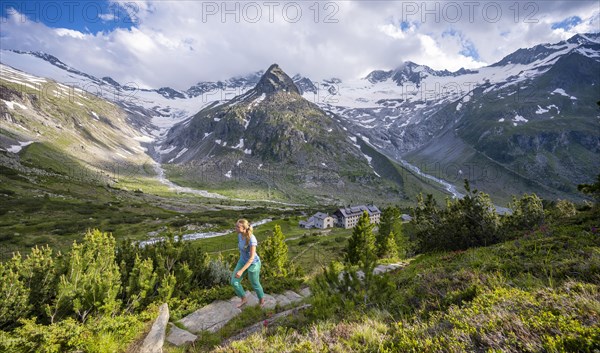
x=252, y=254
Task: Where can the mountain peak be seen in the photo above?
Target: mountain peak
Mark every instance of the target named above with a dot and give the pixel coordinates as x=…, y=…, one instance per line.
x=585, y=38
x=275, y=79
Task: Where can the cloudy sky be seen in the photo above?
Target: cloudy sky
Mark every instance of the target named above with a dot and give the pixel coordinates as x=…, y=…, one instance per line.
x=178, y=43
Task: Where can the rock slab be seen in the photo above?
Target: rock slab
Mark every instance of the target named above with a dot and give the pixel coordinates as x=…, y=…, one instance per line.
x=180, y=337
x=211, y=317
x=155, y=339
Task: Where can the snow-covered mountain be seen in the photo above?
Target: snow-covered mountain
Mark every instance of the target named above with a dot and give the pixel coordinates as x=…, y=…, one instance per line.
x=165, y=106
x=389, y=106
x=271, y=138
x=507, y=114
x=68, y=129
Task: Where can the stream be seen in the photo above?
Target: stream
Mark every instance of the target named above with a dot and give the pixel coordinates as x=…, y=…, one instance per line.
x=200, y=235
x=163, y=179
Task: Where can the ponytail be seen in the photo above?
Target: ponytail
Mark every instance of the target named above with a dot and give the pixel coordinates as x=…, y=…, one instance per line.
x=248, y=230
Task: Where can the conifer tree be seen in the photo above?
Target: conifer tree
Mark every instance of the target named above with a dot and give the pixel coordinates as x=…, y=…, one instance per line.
x=528, y=212
x=142, y=280
x=390, y=218
x=14, y=294
x=389, y=247
x=565, y=209
x=39, y=273
x=591, y=189
x=93, y=279
x=361, y=252
x=361, y=246
x=275, y=253
x=167, y=287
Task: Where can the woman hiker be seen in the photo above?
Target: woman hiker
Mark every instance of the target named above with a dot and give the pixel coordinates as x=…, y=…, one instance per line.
x=249, y=262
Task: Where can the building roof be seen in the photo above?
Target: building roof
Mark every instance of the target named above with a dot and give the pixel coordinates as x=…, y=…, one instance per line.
x=358, y=210
x=320, y=215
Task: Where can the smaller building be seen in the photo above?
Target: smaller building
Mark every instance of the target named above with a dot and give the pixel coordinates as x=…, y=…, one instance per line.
x=309, y=223
x=318, y=220
x=323, y=220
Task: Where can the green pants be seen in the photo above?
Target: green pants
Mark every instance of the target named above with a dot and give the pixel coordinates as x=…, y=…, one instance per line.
x=253, y=274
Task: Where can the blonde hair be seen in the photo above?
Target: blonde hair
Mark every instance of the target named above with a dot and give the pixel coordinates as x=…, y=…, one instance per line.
x=247, y=232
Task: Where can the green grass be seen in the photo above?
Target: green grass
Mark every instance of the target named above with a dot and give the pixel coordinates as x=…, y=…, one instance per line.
x=58, y=205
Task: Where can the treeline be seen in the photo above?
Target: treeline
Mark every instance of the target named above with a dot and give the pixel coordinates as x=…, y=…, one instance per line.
x=474, y=221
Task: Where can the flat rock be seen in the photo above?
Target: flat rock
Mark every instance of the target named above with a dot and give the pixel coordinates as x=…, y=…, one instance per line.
x=379, y=270
x=305, y=292
x=179, y=337
x=251, y=296
x=396, y=266
x=155, y=339
x=281, y=299
x=293, y=297
x=211, y=317
x=270, y=302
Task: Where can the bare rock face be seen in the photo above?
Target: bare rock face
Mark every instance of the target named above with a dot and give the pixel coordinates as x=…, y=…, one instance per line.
x=275, y=79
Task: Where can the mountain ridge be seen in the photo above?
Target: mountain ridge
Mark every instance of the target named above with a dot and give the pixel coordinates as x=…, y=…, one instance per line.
x=403, y=110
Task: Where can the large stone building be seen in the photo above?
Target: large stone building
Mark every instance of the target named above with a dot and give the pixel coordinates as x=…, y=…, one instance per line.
x=347, y=217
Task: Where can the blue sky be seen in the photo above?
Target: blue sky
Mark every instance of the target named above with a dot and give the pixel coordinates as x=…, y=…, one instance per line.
x=180, y=42
x=567, y=23
x=83, y=16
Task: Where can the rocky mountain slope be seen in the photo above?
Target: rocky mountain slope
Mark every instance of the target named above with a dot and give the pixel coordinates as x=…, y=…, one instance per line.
x=528, y=123
x=272, y=138
x=90, y=133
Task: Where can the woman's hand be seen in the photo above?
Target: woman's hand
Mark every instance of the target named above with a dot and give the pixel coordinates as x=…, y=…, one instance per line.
x=239, y=274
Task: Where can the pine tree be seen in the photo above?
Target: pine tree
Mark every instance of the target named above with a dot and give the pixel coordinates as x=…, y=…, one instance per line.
x=39, y=273
x=389, y=248
x=14, y=294
x=361, y=246
x=466, y=222
x=591, y=189
x=274, y=253
x=142, y=280
x=361, y=252
x=565, y=209
x=390, y=218
x=93, y=279
x=528, y=212
x=167, y=287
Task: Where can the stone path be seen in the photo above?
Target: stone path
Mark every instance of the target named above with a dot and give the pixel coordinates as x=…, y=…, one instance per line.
x=214, y=316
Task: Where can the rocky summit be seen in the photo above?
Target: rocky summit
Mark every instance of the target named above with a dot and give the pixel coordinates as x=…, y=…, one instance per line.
x=268, y=133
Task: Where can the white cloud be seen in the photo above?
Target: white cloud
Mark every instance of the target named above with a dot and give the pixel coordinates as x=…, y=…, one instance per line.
x=62, y=32
x=107, y=17
x=178, y=43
